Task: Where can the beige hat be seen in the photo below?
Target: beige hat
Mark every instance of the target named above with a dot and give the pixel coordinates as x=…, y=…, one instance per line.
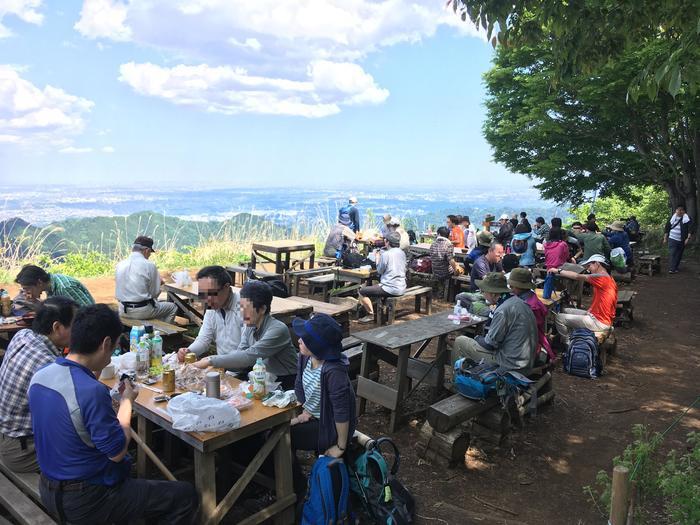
x=484, y=238
x=617, y=226
x=352, y=200
x=386, y=218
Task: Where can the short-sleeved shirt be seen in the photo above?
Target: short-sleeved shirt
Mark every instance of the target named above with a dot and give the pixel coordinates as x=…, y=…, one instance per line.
x=61, y=451
x=65, y=286
x=457, y=237
x=604, y=298
x=480, y=268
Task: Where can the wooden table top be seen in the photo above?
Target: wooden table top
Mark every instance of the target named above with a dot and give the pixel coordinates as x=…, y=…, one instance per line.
x=556, y=297
x=414, y=331
x=321, y=307
x=11, y=328
x=424, y=247
x=356, y=272
x=280, y=306
x=253, y=420
x=571, y=267
x=283, y=246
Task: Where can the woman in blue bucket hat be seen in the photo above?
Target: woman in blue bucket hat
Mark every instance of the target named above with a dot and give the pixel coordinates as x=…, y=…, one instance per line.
x=327, y=422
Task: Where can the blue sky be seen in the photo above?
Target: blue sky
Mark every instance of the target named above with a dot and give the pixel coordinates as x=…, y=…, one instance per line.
x=317, y=93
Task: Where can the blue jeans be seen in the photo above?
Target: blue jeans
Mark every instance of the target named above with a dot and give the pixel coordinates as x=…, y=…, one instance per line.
x=675, y=251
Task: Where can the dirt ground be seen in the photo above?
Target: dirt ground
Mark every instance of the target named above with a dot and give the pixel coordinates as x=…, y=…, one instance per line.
x=539, y=477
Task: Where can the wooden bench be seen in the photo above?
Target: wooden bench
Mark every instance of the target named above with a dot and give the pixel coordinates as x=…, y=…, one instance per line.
x=649, y=264
x=385, y=307
x=323, y=282
x=428, y=279
x=339, y=312
x=453, y=424
x=457, y=281
x=170, y=332
x=19, y=495
x=624, y=313
x=323, y=261
x=238, y=274
x=352, y=348
x=294, y=277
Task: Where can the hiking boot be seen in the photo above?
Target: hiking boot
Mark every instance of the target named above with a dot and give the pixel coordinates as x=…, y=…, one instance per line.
x=366, y=319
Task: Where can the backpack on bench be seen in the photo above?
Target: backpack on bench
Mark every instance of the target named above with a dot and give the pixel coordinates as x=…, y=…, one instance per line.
x=328, y=493
x=482, y=380
x=582, y=358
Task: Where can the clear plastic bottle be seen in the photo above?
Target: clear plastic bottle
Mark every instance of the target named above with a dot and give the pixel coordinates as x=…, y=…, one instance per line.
x=6, y=302
x=134, y=338
x=143, y=358
x=456, y=311
x=259, y=378
x=156, y=350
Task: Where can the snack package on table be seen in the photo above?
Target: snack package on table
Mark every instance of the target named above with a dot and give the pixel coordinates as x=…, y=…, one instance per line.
x=280, y=399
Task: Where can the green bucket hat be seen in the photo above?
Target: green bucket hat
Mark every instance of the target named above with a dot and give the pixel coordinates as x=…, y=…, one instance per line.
x=494, y=282
x=484, y=238
x=521, y=278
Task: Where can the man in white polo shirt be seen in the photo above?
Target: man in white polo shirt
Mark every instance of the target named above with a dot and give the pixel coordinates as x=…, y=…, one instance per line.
x=138, y=285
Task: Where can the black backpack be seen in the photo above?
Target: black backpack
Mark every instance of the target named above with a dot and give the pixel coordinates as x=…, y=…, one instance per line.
x=279, y=289
x=582, y=358
x=353, y=260
x=412, y=239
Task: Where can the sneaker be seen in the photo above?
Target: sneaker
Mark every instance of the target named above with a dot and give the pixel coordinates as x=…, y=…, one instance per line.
x=366, y=319
x=673, y=271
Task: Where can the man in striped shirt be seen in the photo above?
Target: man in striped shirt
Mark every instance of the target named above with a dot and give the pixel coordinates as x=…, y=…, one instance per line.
x=34, y=281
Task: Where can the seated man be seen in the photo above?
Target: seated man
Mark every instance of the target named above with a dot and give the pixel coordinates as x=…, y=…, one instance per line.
x=521, y=284
x=483, y=241
x=34, y=281
x=81, y=444
x=593, y=243
x=28, y=351
x=541, y=230
x=338, y=240
x=490, y=262
x=618, y=238
x=395, y=226
x=138, y=285
x=391, y=267
x=456, y=232
x=222, y=324
x=442, y=255
x=263, y=336
x=601, y=314
x=511, y=341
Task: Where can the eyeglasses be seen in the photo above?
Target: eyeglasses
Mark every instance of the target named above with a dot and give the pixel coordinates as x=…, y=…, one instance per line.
x=203, y=294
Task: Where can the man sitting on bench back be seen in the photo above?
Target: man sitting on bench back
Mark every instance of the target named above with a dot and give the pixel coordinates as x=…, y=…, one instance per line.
x=511, y=341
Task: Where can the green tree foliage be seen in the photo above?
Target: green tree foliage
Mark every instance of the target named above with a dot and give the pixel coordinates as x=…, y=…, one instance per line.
x=588, y=34
x=580, y=134
x=647, y=204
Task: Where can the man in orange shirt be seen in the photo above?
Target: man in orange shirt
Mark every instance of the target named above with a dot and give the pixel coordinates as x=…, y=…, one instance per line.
x=456, y=232
x=601, y=314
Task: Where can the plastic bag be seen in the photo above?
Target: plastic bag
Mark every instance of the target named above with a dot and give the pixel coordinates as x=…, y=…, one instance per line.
x=618, y=259
x=280, y=399
x=194, y=413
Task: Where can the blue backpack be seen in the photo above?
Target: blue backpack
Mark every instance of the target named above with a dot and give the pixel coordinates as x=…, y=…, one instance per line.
x=482, y=380
x=328, y=493
x=344, y=216
x=582, y=358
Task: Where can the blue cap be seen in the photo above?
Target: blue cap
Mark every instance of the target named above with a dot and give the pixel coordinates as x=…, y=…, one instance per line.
x=322, y=335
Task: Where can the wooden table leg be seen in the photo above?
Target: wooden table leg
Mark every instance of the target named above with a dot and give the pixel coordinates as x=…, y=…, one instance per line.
x=442, y=359
x=253, y=259
x=401, y=383
x=311, y=258
x=284, y=485
x=144, y=429
x=364, y=372
x=287, y=262
x=205, y=482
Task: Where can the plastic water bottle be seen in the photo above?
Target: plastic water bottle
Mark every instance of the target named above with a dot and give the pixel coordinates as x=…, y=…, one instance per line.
x=142, y=331
x=143, y=358
x=134, y=338
x=156, y=350
x=456, y=311
x=259, y=377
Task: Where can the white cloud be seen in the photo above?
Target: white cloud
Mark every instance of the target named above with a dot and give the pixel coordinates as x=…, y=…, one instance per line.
x=25, y=10
x=262, y=51
x=108, y=149
x=71, y=150
x=31, y=115
x=103, y=19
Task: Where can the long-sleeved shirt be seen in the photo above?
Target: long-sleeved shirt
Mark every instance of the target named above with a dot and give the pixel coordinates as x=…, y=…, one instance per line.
x=512, y=335
x=593, y=243
x=621, y=240
x=222, y=327
x=556, y=253
x=441, y=256
x=271, y=341
x=137, y=279
x=392, y=270
x=26, y=353
x=65, y=286
x=480, y=268
x=541, y=232
x=349, y=216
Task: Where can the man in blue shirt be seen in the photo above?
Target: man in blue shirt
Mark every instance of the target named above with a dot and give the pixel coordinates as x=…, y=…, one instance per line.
x=81, y=443
x=349, y=215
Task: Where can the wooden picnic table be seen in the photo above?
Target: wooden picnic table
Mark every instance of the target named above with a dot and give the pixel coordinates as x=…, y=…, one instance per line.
x=282, y=251
x=356, y=275
x=381, y=344
x=8, y=330
x=283, y=309
x=255, y=420
x=552, y=305
x=423, y=248
x=339, y=312
x=365, y=244
x=575, y=287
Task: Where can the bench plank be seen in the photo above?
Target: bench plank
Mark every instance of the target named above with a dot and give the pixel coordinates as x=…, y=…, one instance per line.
x=23, y=509
x=452, y=410
x=163, y=327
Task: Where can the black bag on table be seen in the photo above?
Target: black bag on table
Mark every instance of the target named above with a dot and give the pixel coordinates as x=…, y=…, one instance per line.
x=279, y=289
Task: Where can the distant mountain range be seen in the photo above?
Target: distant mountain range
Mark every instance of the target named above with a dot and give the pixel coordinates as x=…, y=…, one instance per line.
x=19, y=238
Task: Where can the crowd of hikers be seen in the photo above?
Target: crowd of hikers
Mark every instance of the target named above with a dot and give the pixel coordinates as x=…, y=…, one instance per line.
x=58, y=419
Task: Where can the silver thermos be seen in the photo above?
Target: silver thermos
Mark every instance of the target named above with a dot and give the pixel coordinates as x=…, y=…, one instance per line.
x=213, y=384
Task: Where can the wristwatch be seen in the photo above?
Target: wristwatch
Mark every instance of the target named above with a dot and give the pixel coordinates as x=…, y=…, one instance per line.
x=558, y=271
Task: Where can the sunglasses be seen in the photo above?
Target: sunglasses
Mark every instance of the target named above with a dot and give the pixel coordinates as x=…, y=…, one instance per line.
x=210, y=293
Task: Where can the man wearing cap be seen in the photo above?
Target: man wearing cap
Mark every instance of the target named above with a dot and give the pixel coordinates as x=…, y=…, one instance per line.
x=521, y=284
x=511, y=341
x=483, y=241
x=618, y=238
x=327, y=421
x=138, y=285
x=594, y=243
x=393, y=225
x=349, y=215
x=489, y=262
x=505, y=232
x=601, y=314
x=391, y=267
